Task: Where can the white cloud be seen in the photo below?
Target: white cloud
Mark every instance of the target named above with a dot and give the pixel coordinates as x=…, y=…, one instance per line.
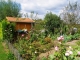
x=42, y=6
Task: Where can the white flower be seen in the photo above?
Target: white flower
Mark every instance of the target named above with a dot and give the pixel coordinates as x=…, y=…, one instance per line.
x=67, y=54
x=70, y=47
x=70, y=52
x=35, y=52
x=10, y=30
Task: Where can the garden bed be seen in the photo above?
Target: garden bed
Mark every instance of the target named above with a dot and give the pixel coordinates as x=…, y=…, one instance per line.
x=71, y=43
x=38, y=50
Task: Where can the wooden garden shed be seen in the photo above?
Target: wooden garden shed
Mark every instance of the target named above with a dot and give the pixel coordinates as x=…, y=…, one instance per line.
x=21, y=23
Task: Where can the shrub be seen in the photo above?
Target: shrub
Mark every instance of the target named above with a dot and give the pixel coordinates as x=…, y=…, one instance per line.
x=36, y=44
x=67, y=38
x=48, y=46
x=8, y=30
x=71, y=37
x=47, y=39
x=33, y=37
x=4, y=26
x=76, y=36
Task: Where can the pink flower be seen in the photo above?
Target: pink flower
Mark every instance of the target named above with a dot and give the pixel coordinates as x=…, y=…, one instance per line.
x=60, y=38
x=56, y=48
x=22, y=35
x=78, y=52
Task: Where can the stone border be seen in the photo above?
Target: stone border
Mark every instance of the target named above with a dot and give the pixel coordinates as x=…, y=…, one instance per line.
x=14, y=51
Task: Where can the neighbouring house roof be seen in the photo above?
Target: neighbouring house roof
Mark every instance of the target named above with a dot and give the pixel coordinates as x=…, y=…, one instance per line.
x=16, y=19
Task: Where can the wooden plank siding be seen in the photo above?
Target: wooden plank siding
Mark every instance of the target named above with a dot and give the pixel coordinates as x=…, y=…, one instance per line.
x=20, y=25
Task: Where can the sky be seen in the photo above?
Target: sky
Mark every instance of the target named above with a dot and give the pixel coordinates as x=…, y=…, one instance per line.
x=41, y=7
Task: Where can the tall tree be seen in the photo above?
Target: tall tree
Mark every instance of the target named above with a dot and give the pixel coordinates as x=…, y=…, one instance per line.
x=52, y=21
x=71, y=13
x=9, y=8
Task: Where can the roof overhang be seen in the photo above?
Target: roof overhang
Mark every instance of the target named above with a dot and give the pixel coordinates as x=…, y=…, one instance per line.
x=24, y=20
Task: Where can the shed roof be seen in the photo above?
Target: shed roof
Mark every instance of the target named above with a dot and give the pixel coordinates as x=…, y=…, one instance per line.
x=15, y=19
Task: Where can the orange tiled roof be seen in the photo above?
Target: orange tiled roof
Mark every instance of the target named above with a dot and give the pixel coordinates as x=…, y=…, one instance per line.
x=13, y=19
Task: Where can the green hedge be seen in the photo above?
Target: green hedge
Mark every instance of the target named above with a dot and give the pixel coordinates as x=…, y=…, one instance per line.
x=8, y=30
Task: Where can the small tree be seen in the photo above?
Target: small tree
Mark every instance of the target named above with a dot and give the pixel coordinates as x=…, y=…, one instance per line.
x=9, y=8
x=71, y=13
x=52, y=21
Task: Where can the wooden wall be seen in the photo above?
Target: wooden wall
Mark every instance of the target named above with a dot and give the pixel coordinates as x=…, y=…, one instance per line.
x=23, y=25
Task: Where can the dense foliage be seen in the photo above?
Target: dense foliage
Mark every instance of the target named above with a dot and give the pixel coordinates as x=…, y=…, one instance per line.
x=8, y=30
x=9, y=8
x=52, y=22
x=30, y=46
